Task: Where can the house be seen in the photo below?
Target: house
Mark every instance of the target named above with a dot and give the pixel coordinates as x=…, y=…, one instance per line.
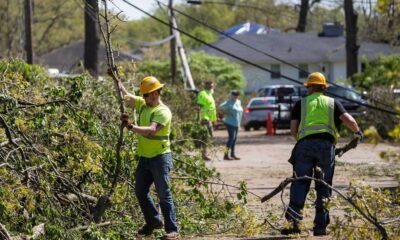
x=68, y=59
x=324, y=52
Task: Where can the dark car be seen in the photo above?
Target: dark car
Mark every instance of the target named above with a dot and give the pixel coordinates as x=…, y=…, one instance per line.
x=351, y=100
x=256, y=113
x=283, y=93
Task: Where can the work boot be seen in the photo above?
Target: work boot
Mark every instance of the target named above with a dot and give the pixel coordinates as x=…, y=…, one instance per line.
x=294, y=229
x=319, y=232
x=226, y=157
x=206, y=158
x=146, y=230
x=235, y=157
x=171, y=236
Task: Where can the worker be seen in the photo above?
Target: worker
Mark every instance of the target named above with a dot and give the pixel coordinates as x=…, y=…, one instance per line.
x=314, y=124
x=155, y=160
x=206, y=112
x=232, y=111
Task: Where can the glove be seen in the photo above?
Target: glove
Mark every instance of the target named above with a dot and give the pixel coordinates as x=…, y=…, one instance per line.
x=124, y=117
x=127, y=124
x=110, y=72
x=125, y=121
x=359, y=134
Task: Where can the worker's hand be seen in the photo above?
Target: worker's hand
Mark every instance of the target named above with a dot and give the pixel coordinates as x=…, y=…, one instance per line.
x=359, y=134
x=127, y=124
x=109, y=72
x=124, y=117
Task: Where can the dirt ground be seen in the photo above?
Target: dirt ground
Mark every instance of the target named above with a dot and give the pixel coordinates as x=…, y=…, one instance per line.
x=264, y=165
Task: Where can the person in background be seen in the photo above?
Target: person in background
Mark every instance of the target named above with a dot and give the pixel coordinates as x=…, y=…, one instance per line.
x=314, y=124
x=155, y=160
x=232, y=111
x=206, y=112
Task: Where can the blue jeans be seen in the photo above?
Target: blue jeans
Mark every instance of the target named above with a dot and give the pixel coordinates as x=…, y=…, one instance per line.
x=232, y=136
x=310, y=154
x=155, y=170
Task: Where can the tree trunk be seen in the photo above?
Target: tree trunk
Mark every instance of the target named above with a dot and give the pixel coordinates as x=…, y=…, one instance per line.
x=92, y=38
x=302, y=23
x=351, y=39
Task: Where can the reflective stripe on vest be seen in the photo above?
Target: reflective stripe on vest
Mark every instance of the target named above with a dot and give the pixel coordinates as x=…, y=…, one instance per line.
x=156, y=137
x=308, y=130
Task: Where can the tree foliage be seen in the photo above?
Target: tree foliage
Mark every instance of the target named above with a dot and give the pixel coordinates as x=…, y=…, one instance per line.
x=57, y=156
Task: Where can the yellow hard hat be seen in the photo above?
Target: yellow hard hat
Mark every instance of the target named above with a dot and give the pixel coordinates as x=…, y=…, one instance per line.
x=150, y=84
x=316, y=78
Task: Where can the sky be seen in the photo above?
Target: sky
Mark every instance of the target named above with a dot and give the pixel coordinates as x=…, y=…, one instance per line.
x=133, y=14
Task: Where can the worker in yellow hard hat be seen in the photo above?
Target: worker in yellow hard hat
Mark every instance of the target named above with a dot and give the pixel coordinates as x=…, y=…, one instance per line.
x=155, y=160
x=315, y=124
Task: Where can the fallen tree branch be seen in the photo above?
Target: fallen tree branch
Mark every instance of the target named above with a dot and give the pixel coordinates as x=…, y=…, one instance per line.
x=104, y=224
x=4, y=233
x=283, y=184
x=15, y=140
x=36, y=232
x=104, y=200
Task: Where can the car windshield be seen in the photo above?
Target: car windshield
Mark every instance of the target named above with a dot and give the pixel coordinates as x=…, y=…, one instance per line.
x=262, y=102
x=283, y=91
x=341, y=92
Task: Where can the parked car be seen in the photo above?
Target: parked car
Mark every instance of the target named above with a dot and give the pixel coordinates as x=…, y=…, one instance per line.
x=256, y=112
x=350, y=99
x=283, y=93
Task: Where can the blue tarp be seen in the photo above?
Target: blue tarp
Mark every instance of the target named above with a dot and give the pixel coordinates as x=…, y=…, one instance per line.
x=248, y=28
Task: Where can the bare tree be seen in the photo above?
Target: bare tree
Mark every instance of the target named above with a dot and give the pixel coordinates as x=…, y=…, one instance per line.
x=351, y=39
x=301, y=25
x=92, y=37
x=304, y=8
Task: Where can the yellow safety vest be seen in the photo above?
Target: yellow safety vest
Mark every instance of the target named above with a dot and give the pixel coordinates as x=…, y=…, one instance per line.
x=317, y=116
x=151, y=146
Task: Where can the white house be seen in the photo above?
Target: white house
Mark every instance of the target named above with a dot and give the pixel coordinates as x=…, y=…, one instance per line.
x=309, y=51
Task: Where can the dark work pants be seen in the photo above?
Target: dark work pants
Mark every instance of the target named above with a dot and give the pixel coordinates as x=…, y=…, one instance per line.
x=310, y=154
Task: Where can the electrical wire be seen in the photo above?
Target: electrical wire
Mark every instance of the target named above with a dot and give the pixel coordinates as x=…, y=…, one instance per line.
x=263, y=52
x=247, y=61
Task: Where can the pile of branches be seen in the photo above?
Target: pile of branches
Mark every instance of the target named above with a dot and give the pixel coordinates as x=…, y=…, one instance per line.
x=57, y=161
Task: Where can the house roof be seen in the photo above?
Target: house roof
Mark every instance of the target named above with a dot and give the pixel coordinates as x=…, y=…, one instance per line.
x=295, y=48
x=66, y=58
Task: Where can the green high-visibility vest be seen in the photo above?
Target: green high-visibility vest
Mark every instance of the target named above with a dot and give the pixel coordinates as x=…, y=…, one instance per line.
x=317, y=116
x=151, y=146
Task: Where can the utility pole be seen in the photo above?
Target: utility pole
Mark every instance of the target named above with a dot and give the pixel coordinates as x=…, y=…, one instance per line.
x=187, y=74
x=172, y=42
x=92, y=38
x=28, y=31
x=351, y=39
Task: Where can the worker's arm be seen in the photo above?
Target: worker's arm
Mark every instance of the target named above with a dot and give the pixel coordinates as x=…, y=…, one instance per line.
x=146, y=130
x=350, y=122
x=294, y=119
x=128, y=97
x=198, y=109
x=223, y=108
x=293, y=127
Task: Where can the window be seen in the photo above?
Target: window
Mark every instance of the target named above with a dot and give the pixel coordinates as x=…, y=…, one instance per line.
x=276, y=71
x=303, y=71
